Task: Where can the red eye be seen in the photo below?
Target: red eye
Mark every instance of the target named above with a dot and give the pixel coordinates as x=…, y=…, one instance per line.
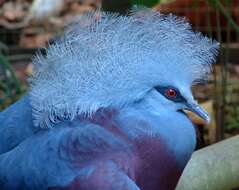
x=171, y=93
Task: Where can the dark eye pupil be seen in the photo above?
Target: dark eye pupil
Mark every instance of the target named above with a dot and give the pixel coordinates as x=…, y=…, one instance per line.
x=171, y=93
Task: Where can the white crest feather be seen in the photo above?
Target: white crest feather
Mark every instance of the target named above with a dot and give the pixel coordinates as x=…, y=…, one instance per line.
x=111, y=60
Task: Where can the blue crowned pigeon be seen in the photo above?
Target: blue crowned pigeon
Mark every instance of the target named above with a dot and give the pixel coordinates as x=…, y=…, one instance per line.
x=104, y=111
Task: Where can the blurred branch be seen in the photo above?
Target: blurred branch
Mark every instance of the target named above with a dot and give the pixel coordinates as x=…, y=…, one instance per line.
x=218, y=77
x=213, y=168
x=12, y=26
x=209, y=25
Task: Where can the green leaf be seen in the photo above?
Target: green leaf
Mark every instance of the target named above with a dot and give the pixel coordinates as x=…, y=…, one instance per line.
x=147, y=3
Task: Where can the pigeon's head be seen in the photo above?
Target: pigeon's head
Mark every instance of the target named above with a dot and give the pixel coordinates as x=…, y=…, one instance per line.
x=107, y=60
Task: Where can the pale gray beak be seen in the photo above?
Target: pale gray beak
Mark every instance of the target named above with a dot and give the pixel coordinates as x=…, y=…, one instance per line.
x=195, y=108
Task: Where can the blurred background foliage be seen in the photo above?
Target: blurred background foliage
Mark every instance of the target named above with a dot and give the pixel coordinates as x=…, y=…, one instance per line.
x=10, y=86
x=27, y=25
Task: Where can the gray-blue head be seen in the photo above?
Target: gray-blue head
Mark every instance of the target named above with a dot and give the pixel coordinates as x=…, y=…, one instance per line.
x=107, y=60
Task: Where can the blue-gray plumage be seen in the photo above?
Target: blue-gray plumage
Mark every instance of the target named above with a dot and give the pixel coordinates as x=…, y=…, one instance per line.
x=15, y=124
x=106, y=104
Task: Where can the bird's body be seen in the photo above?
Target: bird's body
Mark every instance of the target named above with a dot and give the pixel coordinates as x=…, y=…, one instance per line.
x=132, y=140
x=16, y=124
x=106, y=104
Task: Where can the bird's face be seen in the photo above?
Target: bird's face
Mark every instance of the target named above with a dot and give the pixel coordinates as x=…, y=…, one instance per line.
x=176, y=98
x=116, y=62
